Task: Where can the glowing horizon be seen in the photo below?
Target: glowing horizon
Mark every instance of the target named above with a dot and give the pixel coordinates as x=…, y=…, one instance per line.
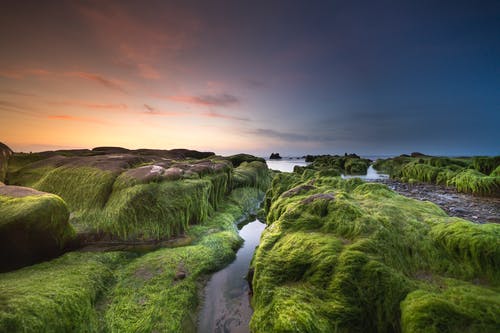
x=233, y=77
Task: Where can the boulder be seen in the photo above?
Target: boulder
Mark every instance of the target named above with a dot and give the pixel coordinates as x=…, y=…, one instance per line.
x=33, y=226
x=275, y=156
x=5, y=153
x=237, y=159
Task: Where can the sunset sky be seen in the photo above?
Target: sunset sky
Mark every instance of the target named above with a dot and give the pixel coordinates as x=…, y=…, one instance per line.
x=296, y=77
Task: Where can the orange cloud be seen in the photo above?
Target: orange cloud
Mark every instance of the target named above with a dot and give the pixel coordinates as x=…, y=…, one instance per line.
x=66, y=117
x=107, y=106
x=151, y=111
x=108, y=83
x=148, y=72
x=22, y=73
x=138, y=40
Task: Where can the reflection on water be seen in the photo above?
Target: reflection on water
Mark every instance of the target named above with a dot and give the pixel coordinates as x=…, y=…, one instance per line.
x=285, y=165
x=226, y=306
x=371, y=174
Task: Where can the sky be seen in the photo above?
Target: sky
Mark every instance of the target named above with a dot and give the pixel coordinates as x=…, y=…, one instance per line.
x=295, y=77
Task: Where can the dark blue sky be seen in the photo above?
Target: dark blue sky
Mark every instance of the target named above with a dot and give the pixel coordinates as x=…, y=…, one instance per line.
x=373, y=77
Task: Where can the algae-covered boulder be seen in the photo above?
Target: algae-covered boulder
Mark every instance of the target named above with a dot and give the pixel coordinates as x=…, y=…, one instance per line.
x=346, y=256
x=5, y=153
x=116, y=193
x=33, y=226
x=237, y=159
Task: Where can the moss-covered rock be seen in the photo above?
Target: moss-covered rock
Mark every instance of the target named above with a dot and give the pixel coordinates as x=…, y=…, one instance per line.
x=474, y=175
x=33, y=226
x=137, y=195
x=5, y=154
x=334, y=165
x=123, y=292
x=347, y=256
x=59, y=295
x=237, y=159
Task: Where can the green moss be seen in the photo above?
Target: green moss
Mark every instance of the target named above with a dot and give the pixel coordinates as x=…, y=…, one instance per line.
x=421, y=172
x=496, y=172
x=472, y=181
x=81, y=187
x=119, y=292
x=469, y=175
x=156, y=210
x=341, y=256
x=149, y=297
x=486, y=165
x=20, y=160
x=237, y=159
x=41, y=213
x=251, y=174
x=56, y=296
x=33, y=227
x=460, y=307
x=127, y=208
x=356, y=166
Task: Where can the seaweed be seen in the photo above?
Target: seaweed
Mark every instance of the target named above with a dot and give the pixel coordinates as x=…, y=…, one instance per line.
x=346, y=256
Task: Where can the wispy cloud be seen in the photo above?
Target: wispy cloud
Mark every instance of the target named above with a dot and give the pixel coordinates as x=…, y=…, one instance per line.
x=22, y=73
x=138, y=40
x=289, y=136
x=98, y=78
x=220, y=100
x=90, y=105
x=148, y=71
x=15, y=107
x=212, y=114
x=254, y=84
x=66, y=117
x=16, y=93
x=152, y=111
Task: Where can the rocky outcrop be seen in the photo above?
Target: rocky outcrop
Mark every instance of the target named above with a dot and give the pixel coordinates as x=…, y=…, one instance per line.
x=136, y=195
x=33, y=226
x=349, y=256
x=275, y=156
x=5, y=153
x=237, y=159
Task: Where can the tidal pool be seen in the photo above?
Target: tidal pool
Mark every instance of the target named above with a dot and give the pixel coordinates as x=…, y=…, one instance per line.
x=226, y=305
x=371, y=174
x=285, y=165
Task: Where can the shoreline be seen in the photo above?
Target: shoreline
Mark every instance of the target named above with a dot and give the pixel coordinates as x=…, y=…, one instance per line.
x=478, y=209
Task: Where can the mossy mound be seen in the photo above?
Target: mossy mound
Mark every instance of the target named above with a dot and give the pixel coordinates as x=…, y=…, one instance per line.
x=347, y=256
x=474, y=175
x=472, y=181
x=137, y=195
x=237, y=159
x=57, y=296
x=33, y=226
x=123, y=292
x=350, y=164
x=251, y=174
x=159, y=291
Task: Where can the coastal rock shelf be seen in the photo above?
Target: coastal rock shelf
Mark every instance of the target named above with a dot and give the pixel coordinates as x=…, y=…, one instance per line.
x=347, y=256
x=187, y=201
x=478, y=175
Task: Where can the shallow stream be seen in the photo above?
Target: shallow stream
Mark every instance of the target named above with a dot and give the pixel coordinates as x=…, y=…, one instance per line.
x=226, y=306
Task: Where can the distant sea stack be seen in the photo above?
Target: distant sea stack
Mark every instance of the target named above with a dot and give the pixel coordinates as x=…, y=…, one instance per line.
x=275, y=156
